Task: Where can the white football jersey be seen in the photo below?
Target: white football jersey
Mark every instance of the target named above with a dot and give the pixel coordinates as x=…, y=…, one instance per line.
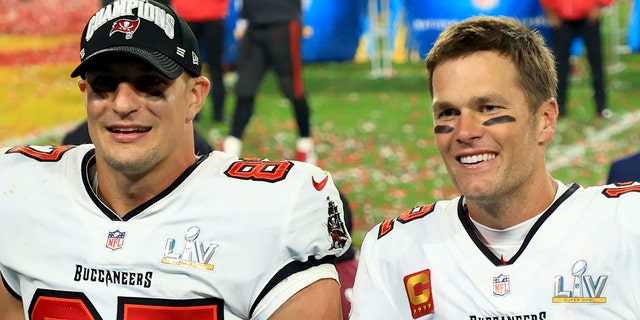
x=216, y=244
x=580, y=260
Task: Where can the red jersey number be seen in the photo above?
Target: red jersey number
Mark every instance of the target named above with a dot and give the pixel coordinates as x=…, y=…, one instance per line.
x=268, y=171
x=622, y=188
x=42, y=154
x=51, y=304
x=416, y=212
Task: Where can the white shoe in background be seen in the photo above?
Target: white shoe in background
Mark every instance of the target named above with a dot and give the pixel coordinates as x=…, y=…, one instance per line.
x=233, y=145
x=305, y=151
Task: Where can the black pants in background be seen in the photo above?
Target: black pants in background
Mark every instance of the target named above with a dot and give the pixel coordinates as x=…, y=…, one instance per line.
x=562, y=39
x=210, y=35
x=277, y=46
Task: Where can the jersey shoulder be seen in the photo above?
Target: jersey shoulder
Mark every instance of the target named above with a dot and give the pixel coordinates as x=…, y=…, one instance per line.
x=621, y=196
x=613, y=203
x=284, y=181
x=419, y=219
x=408, y=235
x=23, y=168
x=301, y=197
x=263, y=170
x=34, y=157
x=622, y=190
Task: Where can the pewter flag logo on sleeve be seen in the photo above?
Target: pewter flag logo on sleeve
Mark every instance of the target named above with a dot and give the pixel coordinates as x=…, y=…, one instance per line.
x=335, y=226
x=147, y=30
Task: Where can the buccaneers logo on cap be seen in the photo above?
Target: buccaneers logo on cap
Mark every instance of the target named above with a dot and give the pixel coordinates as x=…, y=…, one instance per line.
x=126, y=26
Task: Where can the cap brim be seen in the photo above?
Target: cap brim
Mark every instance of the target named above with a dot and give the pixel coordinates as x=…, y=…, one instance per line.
x=157, y=60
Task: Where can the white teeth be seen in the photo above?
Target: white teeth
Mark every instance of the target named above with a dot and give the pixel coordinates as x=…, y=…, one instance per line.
x=477, y=158
x=130, y=130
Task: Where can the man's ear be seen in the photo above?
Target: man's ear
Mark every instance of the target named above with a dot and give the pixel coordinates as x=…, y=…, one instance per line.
x=200, y=87
x=82, y=85
x=547, y=119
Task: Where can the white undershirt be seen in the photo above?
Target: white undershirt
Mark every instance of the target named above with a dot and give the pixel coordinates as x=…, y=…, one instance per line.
x=506, y=242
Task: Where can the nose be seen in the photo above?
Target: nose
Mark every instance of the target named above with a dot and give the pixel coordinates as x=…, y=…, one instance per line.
x=125, y=99
x=469, y=128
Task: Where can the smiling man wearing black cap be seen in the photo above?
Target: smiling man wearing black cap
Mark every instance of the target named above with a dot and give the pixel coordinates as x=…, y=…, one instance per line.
x=138, y=226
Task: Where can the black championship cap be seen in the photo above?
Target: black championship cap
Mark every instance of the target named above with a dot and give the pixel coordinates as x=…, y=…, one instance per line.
x=145, y=29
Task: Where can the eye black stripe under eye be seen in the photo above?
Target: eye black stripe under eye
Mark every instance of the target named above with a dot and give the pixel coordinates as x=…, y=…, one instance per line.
x=442, y=129
x=498, y=120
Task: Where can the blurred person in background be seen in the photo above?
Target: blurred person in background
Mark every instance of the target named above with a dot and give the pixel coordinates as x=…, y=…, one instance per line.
x=207, y=21
x=271, y=37
x=625, y=169
x=570, y=19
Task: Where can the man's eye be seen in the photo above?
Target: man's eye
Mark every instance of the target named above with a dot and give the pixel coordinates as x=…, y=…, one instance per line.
x=103, y=84
x=152, y=85
x=489, y=108
x=151, y=80
x=448, y=113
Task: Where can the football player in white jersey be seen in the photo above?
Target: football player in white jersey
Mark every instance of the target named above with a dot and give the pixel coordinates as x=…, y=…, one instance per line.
x=517, y=243
x=138, y=226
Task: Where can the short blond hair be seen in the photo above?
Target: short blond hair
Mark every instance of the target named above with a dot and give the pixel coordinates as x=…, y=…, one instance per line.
x=533, y=59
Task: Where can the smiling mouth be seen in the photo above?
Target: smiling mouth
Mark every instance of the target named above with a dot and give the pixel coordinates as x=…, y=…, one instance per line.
x=128, y=130
x=477, y=158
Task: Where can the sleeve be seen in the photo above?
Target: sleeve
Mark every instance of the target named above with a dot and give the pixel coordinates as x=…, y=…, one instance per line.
x=314, y=235
x=626, y=213
x=317, y=227
x=290, y=286
x=371, y=298
x=9, y=277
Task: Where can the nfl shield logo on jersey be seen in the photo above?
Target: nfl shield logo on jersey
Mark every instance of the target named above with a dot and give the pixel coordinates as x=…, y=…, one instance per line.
x=501, y=285
x=115, y=240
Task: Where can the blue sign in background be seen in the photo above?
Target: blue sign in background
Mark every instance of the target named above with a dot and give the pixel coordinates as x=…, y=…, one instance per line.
x=338, y=25
x=634, y=27
x=426, y=19
x=336, y=29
